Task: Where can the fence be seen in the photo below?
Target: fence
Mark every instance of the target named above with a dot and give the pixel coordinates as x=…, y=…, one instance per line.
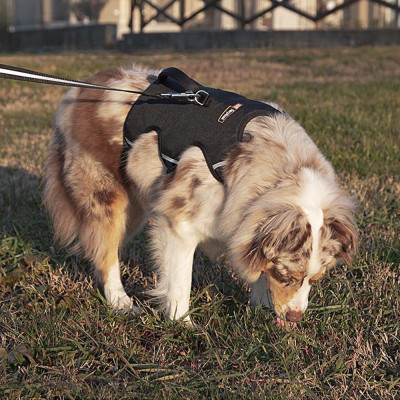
x=37, y=25
x=246, y=13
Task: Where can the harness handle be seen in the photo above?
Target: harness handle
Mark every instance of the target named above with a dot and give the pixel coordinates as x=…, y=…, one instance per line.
x=179, y=77
x=194, y=92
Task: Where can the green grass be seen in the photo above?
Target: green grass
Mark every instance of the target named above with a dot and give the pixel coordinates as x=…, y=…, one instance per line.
x=58, y=339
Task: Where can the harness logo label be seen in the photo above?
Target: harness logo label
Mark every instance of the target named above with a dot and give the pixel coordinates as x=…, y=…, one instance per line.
x=228, y=112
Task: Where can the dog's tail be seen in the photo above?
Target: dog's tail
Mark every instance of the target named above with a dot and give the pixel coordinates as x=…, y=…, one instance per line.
x=55, y=197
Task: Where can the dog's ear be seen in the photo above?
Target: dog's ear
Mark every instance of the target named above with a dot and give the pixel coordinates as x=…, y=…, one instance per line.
x=345, y=232
x=282, y=228
x=286, y=231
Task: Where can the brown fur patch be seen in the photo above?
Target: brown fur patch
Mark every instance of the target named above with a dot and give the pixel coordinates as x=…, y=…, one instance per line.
x=95, y=134
x=279, y=275
x=307, y=252
x=300, y=238
x=104, y=197
x=285, y=275
x=283, y=282
x=167, y=180
x=343, y=232
x=194, y=184
x=311, y=163
x=281, y=295
x=184, y=171
x=254, y=257
x=247, y=137
x=178, y=203
x=274, y=145
x=234, y=159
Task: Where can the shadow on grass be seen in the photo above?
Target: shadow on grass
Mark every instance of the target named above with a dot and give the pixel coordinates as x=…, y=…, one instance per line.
x=21, y=212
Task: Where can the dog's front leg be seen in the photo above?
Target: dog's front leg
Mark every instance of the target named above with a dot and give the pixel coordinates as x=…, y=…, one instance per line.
x=174, y=249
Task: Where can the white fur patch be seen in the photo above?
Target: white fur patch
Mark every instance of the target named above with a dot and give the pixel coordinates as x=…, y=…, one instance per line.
x=311, y=202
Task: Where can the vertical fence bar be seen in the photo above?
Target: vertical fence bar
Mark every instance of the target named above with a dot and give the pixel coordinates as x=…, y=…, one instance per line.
x=141, y=9
x=130, y=24
x=242, y=12
x=182, y=13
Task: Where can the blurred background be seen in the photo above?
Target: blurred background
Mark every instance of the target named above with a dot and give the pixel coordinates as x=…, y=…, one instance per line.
x=72, y=24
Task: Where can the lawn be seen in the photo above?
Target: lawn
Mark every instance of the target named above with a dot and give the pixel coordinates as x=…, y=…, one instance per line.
x=58, y=339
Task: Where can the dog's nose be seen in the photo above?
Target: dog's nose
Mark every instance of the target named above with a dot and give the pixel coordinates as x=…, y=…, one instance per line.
x=294, y=316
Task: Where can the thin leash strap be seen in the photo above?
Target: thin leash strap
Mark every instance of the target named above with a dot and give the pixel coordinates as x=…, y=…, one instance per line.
x=20, y=74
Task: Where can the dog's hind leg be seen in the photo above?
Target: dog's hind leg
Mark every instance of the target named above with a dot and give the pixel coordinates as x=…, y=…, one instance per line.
x=101, y=236
x=89, y=208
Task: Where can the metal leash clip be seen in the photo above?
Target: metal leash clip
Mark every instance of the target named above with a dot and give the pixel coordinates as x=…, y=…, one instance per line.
x=200, y=97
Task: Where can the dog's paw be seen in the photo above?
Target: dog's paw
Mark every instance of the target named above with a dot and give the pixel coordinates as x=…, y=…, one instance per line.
x=120, y=302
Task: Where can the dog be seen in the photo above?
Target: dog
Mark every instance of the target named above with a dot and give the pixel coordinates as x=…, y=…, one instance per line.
x=280, y=216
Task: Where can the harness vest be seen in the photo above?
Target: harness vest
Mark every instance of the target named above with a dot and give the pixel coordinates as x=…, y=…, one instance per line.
x=215, y=124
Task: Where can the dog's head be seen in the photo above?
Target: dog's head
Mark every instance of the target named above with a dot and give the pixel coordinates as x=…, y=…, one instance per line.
x=294, y=242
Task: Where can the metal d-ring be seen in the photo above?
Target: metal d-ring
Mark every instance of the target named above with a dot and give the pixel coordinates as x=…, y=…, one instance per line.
x=203, y=96
x=200, y=97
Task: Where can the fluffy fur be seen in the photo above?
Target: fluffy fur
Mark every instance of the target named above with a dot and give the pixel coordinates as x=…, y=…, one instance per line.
x=281, y=217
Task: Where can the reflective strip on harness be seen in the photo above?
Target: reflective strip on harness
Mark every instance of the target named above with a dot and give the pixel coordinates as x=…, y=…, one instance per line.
x=171, y=160
x=128, y=141
x=219, y=164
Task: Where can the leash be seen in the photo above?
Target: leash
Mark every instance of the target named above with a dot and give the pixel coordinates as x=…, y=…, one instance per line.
x=193, y=93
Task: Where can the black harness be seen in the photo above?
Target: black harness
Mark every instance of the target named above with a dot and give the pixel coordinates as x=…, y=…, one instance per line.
x=192, y=115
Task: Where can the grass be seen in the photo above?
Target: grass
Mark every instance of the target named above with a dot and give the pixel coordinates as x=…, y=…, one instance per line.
x=58, y=339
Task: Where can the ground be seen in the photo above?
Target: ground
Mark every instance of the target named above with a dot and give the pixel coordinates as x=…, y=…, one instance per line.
x=58, y=339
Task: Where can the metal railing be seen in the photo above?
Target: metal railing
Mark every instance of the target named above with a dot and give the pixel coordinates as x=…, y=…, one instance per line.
x=241, y=14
